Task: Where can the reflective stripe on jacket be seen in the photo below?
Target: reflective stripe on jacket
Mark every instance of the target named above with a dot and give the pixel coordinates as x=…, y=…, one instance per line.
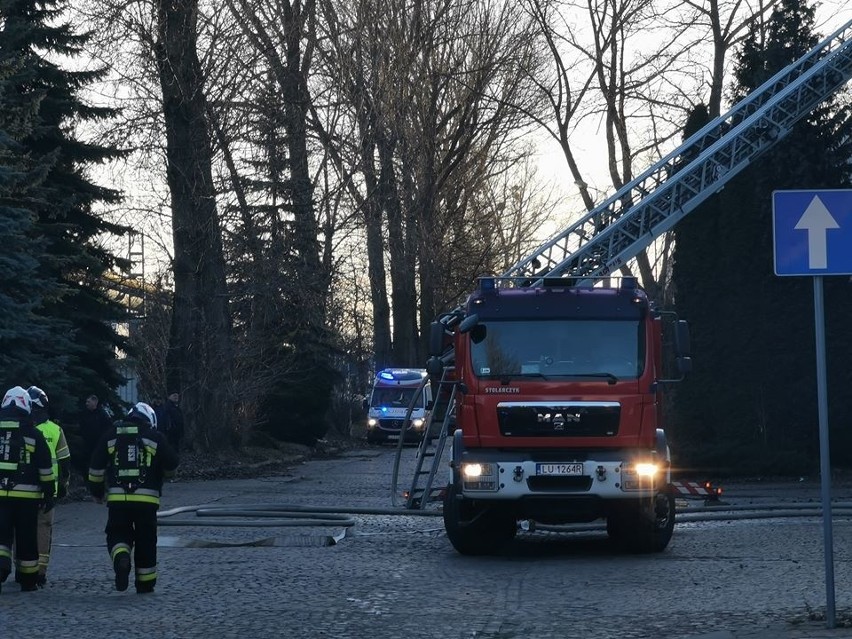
x=104, y=480
x=31, y=476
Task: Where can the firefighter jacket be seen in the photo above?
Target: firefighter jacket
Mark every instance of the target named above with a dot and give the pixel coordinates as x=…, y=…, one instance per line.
x=26, y=471
x=129, y=463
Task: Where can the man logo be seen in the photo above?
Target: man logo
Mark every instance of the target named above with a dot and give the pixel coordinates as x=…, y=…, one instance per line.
x=559, y=420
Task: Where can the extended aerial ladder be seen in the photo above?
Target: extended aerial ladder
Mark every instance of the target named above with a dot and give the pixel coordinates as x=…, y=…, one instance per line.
x=617, y=230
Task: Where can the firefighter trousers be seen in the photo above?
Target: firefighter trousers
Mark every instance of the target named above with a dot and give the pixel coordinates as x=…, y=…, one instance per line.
x=133, y=528
x=19, y=526
x=45, y=539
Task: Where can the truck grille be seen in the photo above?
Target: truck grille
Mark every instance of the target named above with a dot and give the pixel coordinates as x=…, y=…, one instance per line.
x=543, y=484
x=391, y=424
x=570, y=419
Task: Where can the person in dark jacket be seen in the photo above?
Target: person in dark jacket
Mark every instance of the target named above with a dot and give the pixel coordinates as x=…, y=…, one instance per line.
x=127, y=469
x=164, y=420
x=175, y=431
x=26, y=486
x=94, y=422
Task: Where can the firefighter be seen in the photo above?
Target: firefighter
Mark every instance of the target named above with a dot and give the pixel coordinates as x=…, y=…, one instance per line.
x=26, y=486
x=61, y=458
x=127, y=469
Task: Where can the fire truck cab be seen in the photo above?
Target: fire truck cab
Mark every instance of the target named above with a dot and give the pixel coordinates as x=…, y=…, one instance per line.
x=559, y=413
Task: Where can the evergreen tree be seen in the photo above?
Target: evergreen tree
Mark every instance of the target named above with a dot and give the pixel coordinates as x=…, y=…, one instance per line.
x=751, y=404
x=27, y=340
x=66, y=224
x=286, y=357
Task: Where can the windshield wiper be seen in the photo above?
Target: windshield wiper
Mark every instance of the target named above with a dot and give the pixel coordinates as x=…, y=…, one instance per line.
x=612, y=379
x=505, y=378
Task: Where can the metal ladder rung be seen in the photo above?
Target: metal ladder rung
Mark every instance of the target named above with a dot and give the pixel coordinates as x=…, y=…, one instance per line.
x=431, y=446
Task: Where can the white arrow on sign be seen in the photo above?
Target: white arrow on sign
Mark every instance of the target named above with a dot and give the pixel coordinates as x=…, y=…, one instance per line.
x=816, y=220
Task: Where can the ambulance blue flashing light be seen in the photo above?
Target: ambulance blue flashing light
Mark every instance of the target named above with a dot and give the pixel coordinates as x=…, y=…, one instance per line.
x=386, y=375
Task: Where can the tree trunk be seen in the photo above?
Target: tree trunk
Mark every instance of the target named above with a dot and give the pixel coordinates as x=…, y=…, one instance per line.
x=376, y=262
x=199, y=354
x=294, y=89
x=403, y=265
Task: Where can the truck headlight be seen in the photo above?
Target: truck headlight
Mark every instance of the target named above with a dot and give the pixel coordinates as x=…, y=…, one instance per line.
x=372, y=422
x=417, y=423
x=477, y=476
x=647, y=470
x=639, y=475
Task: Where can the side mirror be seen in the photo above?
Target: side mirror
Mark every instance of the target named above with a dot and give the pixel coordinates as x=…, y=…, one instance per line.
x=436, y=339
x=366, y=404
x=478, y=333
x=684, y=365
x=683, y=343
x=435, y=367
x=468, y=323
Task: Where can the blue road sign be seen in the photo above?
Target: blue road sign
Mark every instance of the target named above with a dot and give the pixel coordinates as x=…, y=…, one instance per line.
x=813, y=232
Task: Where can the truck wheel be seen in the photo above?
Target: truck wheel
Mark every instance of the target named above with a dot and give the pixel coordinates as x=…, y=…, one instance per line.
x=646, y=527
x=475, y=533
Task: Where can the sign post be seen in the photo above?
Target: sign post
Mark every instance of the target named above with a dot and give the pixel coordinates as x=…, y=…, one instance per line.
x=813, y=236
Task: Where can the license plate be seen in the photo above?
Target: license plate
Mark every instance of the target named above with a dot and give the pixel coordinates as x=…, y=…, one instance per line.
x=393, y=436
x=575, y=468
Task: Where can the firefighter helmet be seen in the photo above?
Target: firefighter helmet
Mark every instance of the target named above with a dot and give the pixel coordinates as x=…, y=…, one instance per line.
x=142, y=412
x=38, y=397
x=18, y=398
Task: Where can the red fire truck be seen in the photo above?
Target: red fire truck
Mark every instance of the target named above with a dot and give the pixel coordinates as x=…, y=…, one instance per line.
x=557, y=395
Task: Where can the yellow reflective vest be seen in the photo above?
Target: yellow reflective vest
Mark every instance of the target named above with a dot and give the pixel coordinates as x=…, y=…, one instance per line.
x=55, y=438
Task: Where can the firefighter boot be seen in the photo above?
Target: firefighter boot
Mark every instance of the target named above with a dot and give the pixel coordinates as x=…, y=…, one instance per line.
x=121, y=565
x=5, y=569
x=28, y=583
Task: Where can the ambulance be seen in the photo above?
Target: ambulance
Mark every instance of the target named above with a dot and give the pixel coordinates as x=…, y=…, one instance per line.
x=395, y=390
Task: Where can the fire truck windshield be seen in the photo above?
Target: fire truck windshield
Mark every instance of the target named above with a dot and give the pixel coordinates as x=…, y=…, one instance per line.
x=553, y=348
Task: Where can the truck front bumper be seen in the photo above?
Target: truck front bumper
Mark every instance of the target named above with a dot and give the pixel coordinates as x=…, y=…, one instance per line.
x=499, y=474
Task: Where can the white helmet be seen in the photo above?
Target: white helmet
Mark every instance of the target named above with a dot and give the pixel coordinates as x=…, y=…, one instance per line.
x=19, y=398
x=142, y=412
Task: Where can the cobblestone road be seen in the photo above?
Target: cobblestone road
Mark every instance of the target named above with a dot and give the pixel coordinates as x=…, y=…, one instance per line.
x=397, y=575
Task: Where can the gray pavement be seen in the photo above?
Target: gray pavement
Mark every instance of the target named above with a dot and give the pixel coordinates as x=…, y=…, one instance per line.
x=395, y=575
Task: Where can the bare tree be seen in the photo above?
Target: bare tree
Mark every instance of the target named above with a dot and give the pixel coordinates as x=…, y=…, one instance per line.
x=727, y=22
x=432, y=87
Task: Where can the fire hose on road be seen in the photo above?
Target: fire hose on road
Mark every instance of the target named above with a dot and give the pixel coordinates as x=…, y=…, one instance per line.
x=289, y=515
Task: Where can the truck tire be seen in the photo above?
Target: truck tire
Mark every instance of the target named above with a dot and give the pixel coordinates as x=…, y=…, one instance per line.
x=643, y=527
x=470, y=534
